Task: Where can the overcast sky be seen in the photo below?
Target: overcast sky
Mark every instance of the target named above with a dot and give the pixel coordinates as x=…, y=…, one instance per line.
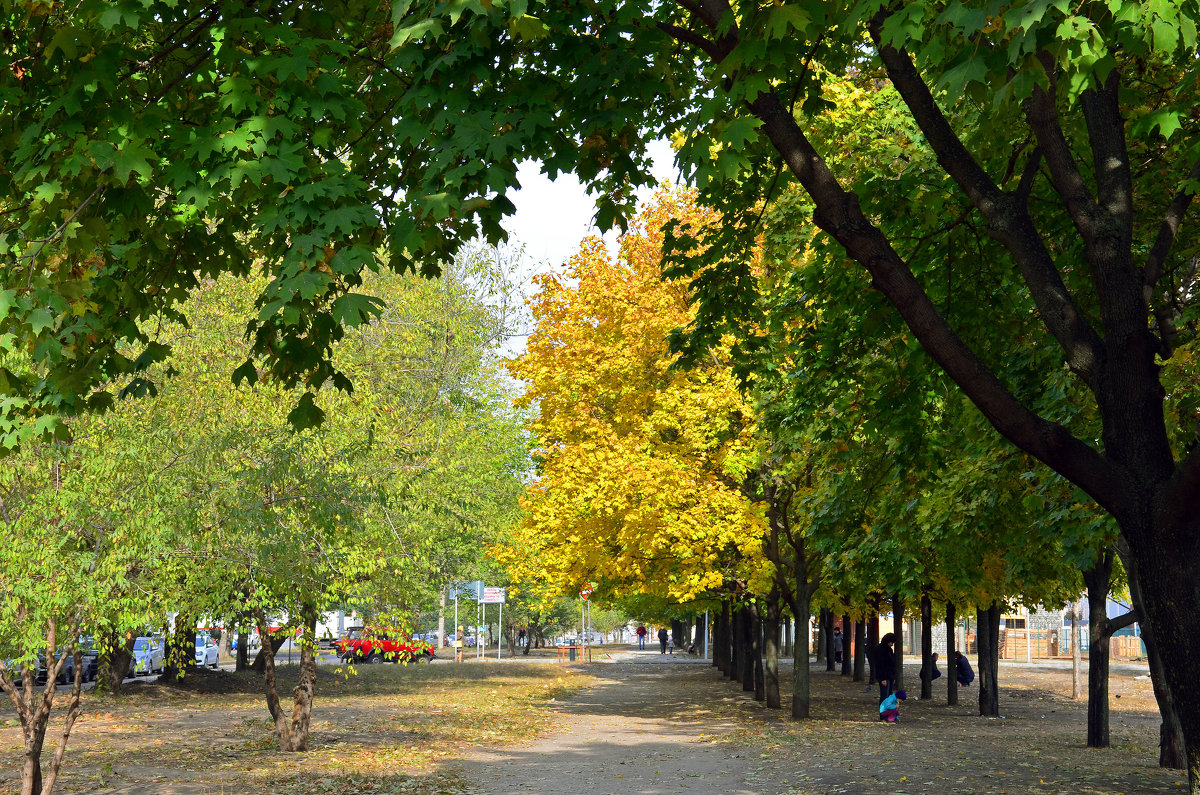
x=553, y=216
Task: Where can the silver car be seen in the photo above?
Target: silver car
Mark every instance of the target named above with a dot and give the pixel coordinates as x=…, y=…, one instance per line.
x=206, y=651
x=147, y=658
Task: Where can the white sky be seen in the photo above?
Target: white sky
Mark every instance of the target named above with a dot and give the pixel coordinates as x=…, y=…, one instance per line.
x=554, y=216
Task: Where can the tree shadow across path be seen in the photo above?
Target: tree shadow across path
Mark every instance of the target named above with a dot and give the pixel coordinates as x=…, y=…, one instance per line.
x=682, y=728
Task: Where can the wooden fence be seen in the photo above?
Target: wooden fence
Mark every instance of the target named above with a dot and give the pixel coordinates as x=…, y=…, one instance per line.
x=1021, y=644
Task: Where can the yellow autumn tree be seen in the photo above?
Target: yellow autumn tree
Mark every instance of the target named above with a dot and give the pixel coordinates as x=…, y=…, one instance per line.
x=639, y=464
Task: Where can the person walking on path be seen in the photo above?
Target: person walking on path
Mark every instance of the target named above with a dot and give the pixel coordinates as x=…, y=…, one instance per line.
x=837, y=645
x=885, y=666
x=671, y=645
x=641, y=636
x=662, y=639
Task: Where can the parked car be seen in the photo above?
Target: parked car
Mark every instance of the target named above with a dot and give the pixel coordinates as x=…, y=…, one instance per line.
x=207, y=651
x=147, y=657
x=66, y=674
x=372, y=646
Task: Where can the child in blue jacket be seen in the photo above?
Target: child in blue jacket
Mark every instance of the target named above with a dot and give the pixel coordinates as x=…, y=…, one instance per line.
x=889, y=708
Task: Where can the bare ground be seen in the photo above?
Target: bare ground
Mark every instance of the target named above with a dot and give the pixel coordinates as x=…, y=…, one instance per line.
x=643, y=724
x=653, y=728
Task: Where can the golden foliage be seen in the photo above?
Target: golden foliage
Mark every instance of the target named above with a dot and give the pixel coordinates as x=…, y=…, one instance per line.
x=640, y=463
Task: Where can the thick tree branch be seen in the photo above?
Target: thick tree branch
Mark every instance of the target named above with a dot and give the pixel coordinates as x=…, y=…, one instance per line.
x=1110, y=157
x=1042, y=116
x=1007, y=215
x=685, y=36
x=1113, y=625
x=1167, y=232
x=839, y=214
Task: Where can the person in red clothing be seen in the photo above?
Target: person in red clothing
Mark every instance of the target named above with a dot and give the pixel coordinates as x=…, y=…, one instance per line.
x=641, y=635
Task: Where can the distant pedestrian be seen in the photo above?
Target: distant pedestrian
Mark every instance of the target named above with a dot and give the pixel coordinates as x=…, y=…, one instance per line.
x=889, y=708
x=936, y=673
x=837, y=645
x=962, y=669
x=662, y=639
x=521, y=637
x=671, y=645
x=885, y=666
x=459, y=641
x=641, y=636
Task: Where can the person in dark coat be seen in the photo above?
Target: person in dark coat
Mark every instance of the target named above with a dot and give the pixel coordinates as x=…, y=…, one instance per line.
x=662, y=639
x=963, y=672
x=936, y=673
x=885, y=666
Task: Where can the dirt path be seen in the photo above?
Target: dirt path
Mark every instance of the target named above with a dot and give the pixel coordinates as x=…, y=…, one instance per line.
x=625, y=735
x=659, y=725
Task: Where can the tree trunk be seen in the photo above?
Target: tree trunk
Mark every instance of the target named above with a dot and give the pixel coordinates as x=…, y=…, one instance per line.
x=860, y=650
x=872, y=643
x=242, y=661
x=756, y=633
x=306, y=689
x=441, y=630
x=179, y=657
x=926, y=646
x=830, y=657
x=114, y=663
x=1097, y=580
x=898, y=631
x=951, y=662
x=988, y=636
x=276, y=642
x=749, y=646
x=1076, y=642
x=822, y=634
x=771, y=652
x=847, y=635
x=293, y=731
x=715, y=629
x=725, y=642
x=801, y=699
x=735, y=644
x=1172, y=751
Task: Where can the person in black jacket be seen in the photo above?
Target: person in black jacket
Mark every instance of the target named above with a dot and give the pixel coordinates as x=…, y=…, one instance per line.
x=962, y=668
x=885, y=666
x=662, y=639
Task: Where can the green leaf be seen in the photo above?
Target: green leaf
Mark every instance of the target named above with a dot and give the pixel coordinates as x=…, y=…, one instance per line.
x=306, y=414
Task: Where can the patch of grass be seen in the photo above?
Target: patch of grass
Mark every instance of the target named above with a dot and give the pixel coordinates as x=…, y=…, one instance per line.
x=378, y=728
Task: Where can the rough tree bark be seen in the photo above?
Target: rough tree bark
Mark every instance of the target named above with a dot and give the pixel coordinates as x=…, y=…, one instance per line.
x=749, y=645
x=898, y=631
x=292, y=731
x=988, y=642
x=926, y=646
x=801, y=699
x=1100, y=630
x=1171, y=747
x=34, y=708
x=822, y=635
x=951, y=663
x=872, y=643
x=847, y=637
x=756, y=644
x=114, y=663
x=860, y=650
x=771, y=651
